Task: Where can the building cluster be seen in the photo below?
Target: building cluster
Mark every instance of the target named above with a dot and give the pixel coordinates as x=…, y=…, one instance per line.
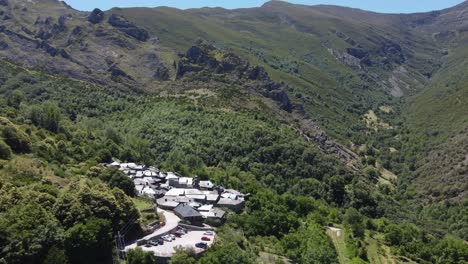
x=191, y=199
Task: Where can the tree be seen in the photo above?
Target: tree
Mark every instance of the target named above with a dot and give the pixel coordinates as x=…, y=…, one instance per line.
x=90, y=242
x=138, y=256
x=450, y=250
x=183, y=256
x=105, y=155
x=16, y=139
x=51, y=116
x=355, y=220
x=85, y=199
x=27, y=232
x=116, y=178
x=47, y=116
x=15, y=98
x=226, y=253
x=56, y=256
x=309, y=245
x=5, y=151
x=336, y=191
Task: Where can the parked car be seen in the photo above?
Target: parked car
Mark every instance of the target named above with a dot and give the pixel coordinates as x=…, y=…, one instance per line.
x=148, y=245
x=178, y=234
x=201, y=245
x=172, y=236
x=154, y=243
x=206, y=238
x=160, y=241
x=167, y=238
x=208, y=233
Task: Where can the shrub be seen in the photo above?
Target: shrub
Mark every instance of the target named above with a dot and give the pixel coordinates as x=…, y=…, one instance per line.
x=5, y=151
x=16, y=139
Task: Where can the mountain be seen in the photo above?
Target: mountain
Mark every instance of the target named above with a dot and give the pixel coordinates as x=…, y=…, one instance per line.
x=325, y=115
x=351, y=59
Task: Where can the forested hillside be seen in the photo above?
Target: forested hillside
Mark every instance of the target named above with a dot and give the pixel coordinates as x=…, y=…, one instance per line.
x=326, y=116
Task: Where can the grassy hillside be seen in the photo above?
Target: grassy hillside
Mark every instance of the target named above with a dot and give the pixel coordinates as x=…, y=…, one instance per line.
x=438, y=120
x=292, y=47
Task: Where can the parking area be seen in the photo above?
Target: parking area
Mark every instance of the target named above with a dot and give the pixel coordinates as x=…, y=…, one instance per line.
x=189, y=239
x=186, y=240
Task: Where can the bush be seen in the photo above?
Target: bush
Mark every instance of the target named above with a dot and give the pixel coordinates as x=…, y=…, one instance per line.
x=116, y=178
x=47, y=116
x=16, y=139
x=5, y=151
x=138, y=256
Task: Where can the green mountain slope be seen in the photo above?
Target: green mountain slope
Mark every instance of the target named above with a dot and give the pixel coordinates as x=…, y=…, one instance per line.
x=325, y=115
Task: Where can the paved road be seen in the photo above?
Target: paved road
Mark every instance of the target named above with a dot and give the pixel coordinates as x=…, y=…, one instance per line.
x=172, y=221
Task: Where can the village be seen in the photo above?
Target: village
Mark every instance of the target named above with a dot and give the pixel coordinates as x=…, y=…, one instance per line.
x=190, y=207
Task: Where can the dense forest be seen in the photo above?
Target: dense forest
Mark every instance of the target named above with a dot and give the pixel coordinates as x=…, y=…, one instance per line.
x=51, y=181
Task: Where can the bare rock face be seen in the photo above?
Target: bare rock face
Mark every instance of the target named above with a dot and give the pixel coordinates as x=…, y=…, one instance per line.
x=116, y=71
x=96, y=16
x=356, y=52
x=393, y=52
x=161, y=74
x=258, y=73
x=128, y=28
x=3, y=45
x=119, y=21
x=277, y=92
x=346, y=58
x=200, y=56
x=52, y=51
x=160, y=71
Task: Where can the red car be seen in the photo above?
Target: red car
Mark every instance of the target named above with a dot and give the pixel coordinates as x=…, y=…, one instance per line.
x=205, y=238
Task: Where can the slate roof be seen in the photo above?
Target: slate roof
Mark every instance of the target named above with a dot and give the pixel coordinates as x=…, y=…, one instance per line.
x=186, y=211
x=206, y=184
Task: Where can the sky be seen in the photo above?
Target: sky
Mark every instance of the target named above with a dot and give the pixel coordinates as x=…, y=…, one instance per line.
x=383, y=6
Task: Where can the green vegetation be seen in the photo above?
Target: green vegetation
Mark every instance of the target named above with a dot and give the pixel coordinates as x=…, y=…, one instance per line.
x=138, y=256
x=406, y=201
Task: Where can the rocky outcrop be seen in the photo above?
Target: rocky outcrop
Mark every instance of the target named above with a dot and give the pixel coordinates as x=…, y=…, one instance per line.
x=73, y=34
x=128, y=28
x=60, y=26
x=197, y=55
x=96, y=16
x=345, y=58
x=357, y=52
x=313, y=132
x=182, y=69
x=161, y=74
x=346, y=38
x=231, y=62
x=205, y=58
x=118, y=72
x=52, y=51
x=258, y=73
x=119, y=21
x=3, y=45
x=47, y=29
x=392, y=52
x=277, y=92
x=445, y=36
x=152, y=62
